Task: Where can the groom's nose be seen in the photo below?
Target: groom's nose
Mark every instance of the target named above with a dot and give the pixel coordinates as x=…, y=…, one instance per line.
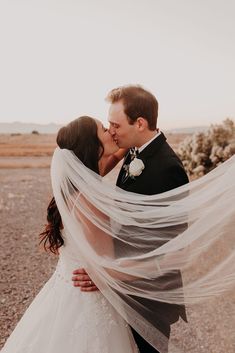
x=111, y=130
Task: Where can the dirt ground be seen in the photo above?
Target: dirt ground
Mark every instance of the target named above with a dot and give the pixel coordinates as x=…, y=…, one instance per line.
x=24, y=195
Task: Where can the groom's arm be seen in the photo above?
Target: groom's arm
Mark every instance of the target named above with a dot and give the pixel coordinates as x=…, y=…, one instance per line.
x=81, y=279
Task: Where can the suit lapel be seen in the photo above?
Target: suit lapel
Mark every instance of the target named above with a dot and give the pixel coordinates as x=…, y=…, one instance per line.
x=122, y=172
x=151, y=149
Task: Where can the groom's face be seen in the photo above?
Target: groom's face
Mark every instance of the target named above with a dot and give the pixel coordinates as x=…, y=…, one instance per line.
x=122, y=132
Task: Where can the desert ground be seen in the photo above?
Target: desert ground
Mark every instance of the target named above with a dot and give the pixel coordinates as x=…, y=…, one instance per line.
x=25, y=267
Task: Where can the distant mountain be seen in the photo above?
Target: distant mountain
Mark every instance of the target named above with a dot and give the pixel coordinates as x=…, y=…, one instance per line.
x=188, y=130
x=24, y=128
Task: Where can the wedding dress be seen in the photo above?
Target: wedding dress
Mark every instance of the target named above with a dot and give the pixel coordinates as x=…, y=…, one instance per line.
x=63, y=319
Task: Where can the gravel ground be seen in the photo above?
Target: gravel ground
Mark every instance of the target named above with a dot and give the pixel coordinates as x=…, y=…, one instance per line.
x=24, y=196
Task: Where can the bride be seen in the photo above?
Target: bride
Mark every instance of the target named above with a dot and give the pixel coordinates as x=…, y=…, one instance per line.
x=111, y=233
x=60, y=319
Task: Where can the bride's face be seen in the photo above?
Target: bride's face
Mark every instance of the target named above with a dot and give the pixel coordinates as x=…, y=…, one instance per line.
x=105, y=137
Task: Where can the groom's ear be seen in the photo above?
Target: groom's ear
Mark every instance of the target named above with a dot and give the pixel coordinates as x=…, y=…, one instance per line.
x=141, y=124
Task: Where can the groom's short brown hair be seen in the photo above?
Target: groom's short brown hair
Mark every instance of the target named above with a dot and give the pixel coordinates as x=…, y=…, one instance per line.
x=137, y=102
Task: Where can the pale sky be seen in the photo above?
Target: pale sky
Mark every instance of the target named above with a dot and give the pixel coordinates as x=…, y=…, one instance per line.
x=59, y=58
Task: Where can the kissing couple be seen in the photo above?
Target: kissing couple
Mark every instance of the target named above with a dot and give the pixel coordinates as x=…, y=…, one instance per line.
x=134, y=249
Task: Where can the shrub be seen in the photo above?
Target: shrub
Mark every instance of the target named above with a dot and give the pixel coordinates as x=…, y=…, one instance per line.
x=204, y=151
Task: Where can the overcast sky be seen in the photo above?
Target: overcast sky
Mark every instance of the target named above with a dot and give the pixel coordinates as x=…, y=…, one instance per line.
x=59, y=58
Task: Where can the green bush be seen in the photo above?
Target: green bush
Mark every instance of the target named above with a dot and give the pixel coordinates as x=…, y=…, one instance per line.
x=204, y=151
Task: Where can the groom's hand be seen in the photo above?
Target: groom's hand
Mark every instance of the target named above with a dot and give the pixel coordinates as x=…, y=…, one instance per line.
x=82, y=280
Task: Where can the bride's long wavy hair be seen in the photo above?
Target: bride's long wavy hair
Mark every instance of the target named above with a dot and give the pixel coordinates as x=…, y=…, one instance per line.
x=79, y=136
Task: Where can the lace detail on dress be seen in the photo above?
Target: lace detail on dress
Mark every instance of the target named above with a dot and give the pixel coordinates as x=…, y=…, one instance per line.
x=95, y=322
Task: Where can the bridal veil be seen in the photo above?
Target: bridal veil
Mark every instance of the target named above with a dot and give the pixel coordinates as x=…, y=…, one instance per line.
x=132, y=244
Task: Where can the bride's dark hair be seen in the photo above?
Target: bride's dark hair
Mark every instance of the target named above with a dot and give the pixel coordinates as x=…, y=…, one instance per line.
x=79, y=136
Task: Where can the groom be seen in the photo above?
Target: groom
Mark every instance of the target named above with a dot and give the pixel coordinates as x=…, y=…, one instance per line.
x=133, y=116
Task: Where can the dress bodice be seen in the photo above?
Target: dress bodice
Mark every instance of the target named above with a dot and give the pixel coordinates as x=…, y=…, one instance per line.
x=69, y=259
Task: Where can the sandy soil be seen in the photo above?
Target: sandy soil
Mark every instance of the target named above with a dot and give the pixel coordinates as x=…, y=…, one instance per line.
x=24, y=195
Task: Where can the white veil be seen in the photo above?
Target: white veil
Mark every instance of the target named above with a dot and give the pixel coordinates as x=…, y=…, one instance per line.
x=134, y=246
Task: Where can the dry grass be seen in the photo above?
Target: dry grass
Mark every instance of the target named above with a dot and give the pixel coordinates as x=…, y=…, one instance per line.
x=35, y=151
x=27, y=145
x=175, y=139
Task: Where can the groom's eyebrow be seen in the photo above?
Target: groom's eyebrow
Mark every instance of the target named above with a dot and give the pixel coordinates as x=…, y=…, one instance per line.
x=113, y=123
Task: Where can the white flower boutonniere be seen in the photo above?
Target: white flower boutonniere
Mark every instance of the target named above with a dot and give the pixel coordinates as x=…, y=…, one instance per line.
x=136, y=167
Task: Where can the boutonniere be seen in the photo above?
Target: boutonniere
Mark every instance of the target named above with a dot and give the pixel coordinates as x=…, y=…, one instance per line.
x=135, y=168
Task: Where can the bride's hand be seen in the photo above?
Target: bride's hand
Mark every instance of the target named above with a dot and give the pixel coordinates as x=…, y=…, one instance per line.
x=82, y=280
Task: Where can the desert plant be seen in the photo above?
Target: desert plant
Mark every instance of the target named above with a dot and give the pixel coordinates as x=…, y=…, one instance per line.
x=203, y=151
x=35, y=132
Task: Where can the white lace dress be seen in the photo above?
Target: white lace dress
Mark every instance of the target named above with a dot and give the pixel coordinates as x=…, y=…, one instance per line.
x=62, y=319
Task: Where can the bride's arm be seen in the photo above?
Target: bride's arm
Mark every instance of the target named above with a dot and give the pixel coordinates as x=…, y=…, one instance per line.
x=115, y=159
x=100, y=241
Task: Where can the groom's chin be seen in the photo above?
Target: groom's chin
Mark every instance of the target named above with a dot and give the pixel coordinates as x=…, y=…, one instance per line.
x=120, y=145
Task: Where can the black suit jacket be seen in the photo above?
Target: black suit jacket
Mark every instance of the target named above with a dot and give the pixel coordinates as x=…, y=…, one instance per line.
x=163, y=171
